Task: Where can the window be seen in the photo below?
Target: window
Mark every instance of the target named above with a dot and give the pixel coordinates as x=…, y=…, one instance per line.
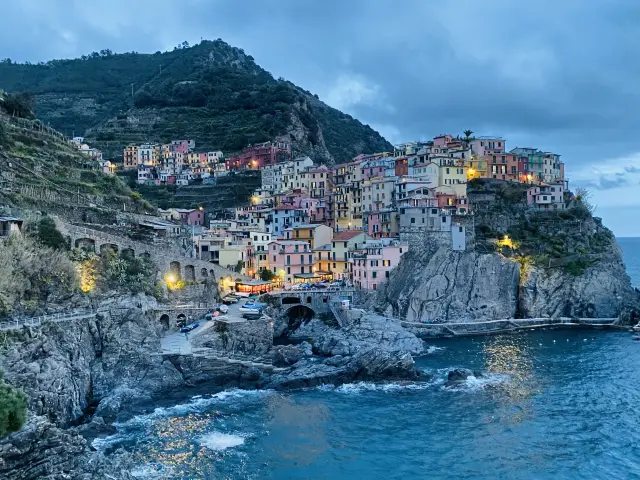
x=334, y=265
x=374, y=274
x=413, y=220
x=289, y=270
x=400, y=249
x=447, y=171
x=434, y=211
x=302, y=259
x=310, y=259
x=460, y=229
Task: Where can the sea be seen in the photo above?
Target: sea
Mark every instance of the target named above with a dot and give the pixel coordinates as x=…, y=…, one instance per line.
x=556, y=404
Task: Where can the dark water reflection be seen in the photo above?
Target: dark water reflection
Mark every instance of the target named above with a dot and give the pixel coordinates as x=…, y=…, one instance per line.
x=552, y=405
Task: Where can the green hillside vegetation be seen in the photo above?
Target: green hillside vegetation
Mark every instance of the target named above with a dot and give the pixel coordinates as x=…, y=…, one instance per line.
x=211, y=92
x=39, y=169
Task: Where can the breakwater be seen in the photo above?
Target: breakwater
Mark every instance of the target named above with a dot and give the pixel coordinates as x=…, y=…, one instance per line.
x=492, y=327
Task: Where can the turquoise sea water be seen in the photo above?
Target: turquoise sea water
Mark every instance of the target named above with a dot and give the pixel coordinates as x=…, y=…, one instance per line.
x=551, y=405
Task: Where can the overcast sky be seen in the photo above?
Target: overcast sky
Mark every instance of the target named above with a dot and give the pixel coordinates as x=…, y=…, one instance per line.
x=562, y=75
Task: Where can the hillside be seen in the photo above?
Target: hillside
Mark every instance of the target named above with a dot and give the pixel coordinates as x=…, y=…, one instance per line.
x=40, y=170
x=211, y=92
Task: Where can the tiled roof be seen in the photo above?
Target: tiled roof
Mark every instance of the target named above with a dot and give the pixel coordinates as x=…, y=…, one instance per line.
x=346, y=235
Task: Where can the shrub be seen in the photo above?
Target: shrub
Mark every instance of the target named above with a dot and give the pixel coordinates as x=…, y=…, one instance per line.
x=49, y=235
x=13, y=408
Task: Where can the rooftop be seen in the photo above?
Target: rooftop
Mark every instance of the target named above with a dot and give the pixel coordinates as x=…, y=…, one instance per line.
x=289, y=242
x=346, y=235
x=324, y=247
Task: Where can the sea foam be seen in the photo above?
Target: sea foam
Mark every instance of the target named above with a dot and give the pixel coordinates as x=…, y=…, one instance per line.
x=220, y=441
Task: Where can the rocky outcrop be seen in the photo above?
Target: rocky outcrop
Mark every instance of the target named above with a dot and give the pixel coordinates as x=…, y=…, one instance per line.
x=452, y=286
x=602, y=291
x=43, y=451
x=384, y=333
x=370, y=364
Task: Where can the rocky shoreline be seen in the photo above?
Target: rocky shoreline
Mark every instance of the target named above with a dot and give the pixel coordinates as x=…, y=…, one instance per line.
x=81, y=376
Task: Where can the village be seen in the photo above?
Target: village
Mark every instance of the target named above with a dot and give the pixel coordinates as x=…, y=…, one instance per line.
x=312, y=224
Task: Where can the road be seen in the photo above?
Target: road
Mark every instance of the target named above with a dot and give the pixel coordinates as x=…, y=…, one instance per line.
x=176, y=343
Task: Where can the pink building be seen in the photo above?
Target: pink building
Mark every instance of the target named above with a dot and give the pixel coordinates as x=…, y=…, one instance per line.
x=372, y=265
x=482, y=146
x=546, y=197
x=190, y=217
x=289, y=258
x=181, y=146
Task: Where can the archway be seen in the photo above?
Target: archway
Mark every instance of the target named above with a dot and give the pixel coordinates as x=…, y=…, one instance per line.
x=297, y=315
x=190, y=273
x=204, y=273
x=174, y=268
x=128, y=253
x=164, y=320
x=87, y=244
x=181, y=320
x=108, y=246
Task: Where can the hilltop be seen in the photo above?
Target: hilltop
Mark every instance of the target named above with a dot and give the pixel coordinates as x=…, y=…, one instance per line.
x=212, y=92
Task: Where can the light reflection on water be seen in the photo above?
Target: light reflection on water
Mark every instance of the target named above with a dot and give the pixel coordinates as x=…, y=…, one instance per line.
x=551, y=405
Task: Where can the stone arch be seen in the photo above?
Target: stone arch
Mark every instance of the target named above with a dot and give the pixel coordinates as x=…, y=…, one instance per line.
x=109, y=246
x=204, y=273
x=296, y=316
x=128, y=253
x=88, y=244
x=164, y=320
x=181, y=319
x=309, y=299
x=190, y=273
x=212, y=274
x=174, y=268
x=290, y=300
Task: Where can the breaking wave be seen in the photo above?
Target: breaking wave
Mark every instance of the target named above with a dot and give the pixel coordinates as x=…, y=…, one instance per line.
x=196, y=405
x=220, y=441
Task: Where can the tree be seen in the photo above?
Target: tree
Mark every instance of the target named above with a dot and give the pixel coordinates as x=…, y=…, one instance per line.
x=13, y=408
x=467, y=135
x=49, y=235
x=266, y=275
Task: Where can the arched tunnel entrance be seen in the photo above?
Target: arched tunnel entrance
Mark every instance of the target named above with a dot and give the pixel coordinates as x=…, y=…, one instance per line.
x=297, y=315
x=164, y=320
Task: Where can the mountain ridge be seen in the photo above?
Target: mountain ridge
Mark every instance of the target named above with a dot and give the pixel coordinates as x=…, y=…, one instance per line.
x=211, y=92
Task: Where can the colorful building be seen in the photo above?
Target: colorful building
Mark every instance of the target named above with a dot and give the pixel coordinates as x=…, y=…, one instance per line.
x=288, y=258
x=372, y=264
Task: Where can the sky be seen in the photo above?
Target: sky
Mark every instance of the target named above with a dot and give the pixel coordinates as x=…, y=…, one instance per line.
x=561, y=76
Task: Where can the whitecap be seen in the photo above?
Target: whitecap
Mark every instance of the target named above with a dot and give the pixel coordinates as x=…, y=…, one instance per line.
x=433, y=349
x=220, y=441
x=151, y=470
x=474, y=384
x=359, y=387
x=197, y=404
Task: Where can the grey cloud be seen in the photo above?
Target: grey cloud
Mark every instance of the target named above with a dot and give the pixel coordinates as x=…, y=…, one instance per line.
x=606, y=183
x=557, y=75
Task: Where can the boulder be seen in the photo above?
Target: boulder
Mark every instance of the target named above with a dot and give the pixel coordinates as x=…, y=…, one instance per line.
x=286, y=355
x=458, y=376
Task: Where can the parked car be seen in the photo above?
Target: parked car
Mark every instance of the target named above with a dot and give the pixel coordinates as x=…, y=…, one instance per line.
x=188, y=328
x=321, y=285
x=338, y=284
x=223, y=308
x=229, y=299
x=254, y=315
x=250, y=309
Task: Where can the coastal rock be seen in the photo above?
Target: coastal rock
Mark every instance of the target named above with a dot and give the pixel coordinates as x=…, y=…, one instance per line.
x=371, y=364
x=602, y=291
x=452, y=287
x=371, y=329
x=286, y=355
x=43, y=451
x=457, y=376
x=249, y=338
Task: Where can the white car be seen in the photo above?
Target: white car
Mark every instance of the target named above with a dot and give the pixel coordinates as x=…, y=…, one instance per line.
x=223, y=308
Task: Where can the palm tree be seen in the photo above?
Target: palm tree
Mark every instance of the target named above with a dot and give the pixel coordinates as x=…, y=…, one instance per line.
x=467, y=135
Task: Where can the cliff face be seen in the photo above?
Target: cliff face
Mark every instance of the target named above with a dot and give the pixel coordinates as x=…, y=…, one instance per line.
x=448, y=286
x=452, y=286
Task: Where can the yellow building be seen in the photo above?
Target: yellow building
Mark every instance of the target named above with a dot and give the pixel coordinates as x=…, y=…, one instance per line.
x=452, y=176
x=314, y=235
